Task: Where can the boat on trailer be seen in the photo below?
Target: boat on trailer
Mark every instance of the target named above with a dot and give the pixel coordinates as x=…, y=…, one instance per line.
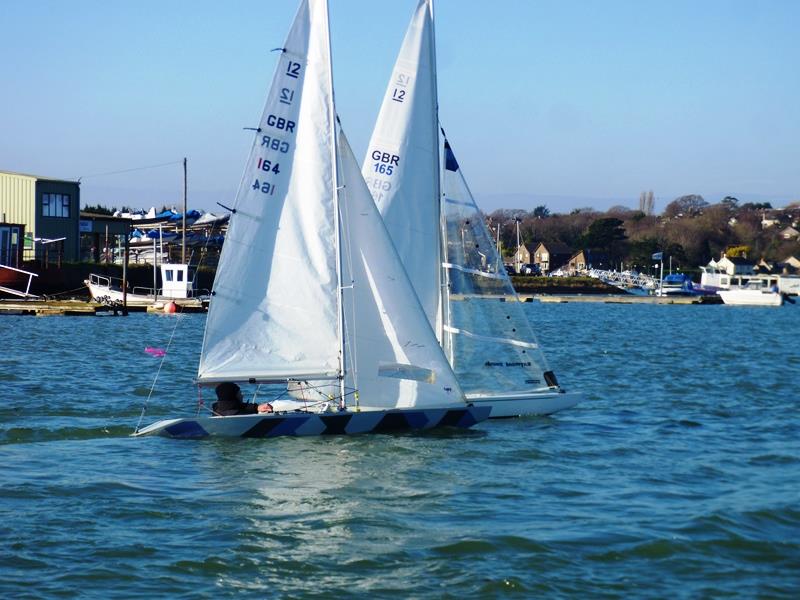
x=309, y=286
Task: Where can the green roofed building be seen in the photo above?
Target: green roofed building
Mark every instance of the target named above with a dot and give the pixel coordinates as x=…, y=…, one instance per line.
x=50, y=210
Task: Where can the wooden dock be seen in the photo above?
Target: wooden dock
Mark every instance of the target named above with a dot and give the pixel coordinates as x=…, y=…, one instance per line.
x=74, y=308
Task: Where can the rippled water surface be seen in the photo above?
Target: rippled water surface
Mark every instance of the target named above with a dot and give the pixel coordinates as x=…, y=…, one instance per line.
x=679, y=475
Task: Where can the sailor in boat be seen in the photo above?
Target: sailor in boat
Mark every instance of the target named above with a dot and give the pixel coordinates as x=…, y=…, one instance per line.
x=229, y=402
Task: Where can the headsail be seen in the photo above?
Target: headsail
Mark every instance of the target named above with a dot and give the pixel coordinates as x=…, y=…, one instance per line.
x=396, y=360
x=401, y=165
x=274, y=313
x=492, y=343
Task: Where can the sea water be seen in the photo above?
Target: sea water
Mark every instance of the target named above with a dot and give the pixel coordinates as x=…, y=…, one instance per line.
x=678, y=475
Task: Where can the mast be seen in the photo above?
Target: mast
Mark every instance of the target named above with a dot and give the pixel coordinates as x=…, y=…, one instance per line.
x=336, y=215
x=183, y=244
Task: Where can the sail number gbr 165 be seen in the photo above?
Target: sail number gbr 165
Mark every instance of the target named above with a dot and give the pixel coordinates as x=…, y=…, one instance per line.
x=385, y=162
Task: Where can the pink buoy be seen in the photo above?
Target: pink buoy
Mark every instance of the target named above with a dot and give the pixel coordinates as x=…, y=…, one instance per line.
x=170, y=308
x=157, y=352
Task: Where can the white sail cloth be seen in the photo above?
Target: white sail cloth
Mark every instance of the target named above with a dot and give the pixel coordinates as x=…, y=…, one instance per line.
x=492, y=343
x=440, y=233
x=396, y=358
x=274, y=313
x=401, y=165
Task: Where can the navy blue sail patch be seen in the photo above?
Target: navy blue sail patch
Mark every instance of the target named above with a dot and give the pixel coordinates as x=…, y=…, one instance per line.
x=449, y=158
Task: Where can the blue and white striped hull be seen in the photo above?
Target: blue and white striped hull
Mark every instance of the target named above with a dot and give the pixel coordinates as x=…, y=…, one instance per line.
x=297, y=424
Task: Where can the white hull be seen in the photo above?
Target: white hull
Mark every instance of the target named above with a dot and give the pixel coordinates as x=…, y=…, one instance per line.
x=751, y=297
x=308, y=424
x=108, y=295
x=525, y=404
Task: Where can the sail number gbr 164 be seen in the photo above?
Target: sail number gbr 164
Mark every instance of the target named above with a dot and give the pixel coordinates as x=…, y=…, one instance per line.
x=269, y=167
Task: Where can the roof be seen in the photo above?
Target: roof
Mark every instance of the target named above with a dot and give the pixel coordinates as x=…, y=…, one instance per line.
x=557, y=248
x=38, y=177
x=737, y=260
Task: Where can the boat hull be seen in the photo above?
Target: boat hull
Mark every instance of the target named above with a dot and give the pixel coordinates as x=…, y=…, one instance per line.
x=751, y=298
x=506, y=406
x=106, y=294
x=309, y=424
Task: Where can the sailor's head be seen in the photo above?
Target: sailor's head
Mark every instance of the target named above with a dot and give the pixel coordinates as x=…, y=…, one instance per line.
x=228, y=391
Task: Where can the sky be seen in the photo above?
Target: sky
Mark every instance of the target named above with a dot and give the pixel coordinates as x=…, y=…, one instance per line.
x=568, y=103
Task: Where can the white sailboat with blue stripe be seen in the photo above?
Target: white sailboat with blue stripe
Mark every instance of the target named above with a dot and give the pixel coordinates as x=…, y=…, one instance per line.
x=309, y=286
x=445, y=244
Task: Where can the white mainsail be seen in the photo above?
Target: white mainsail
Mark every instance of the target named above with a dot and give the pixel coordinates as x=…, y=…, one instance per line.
x=401, y=165
x=274, y=313
x=490, y=344
x=396, y=360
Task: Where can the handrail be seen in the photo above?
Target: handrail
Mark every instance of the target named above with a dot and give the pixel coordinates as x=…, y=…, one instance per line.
x=18, y=270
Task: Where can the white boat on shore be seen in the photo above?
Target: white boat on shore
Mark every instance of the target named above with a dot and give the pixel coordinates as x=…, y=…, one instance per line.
x=753, y=295
x=176, y=280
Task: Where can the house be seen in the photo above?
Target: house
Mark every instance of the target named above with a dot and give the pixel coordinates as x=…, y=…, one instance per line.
x=49, y=210
x=792, y=261
x=583, y=260
x=790, y=233
x=734, y=265
x=522, y=255
x=550, y=256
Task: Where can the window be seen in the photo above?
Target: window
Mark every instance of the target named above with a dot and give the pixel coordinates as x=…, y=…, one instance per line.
x=180, y=275
x=168, y=273
x=55, y=205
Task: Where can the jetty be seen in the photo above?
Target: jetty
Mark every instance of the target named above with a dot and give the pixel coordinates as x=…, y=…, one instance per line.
x=622, y=299
x=76, y=308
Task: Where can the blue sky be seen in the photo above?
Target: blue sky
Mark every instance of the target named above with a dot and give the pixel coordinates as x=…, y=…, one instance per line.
x=567, y=102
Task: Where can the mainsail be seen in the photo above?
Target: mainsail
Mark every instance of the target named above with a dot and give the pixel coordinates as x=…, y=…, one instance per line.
x=401, y=165
x=441, y=235
x=274, y=313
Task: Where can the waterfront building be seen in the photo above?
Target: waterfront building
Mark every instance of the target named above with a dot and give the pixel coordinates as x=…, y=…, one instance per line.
x=551, y=256
x=49, y=210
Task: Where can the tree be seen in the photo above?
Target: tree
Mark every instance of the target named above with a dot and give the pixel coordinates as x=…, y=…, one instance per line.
x=541, y=212
x=730, y=203
x=606, y=235
x=689, y=206
x=99, y=209
x=646, y=202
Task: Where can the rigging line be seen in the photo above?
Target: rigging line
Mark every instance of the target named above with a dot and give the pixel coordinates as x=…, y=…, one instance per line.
x=348, y=256
x=177, y=162
x=158, y=372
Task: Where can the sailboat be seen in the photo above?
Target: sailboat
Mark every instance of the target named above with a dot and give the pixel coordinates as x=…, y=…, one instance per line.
x=445, y=245
x=309, y=285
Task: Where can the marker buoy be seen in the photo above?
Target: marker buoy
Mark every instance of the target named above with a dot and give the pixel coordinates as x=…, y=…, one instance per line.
x=170, y=308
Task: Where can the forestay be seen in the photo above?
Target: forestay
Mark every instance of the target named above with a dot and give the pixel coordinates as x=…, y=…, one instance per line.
x=492, y=343
x=401, y=165
x=274, y=313
x=395, y=359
